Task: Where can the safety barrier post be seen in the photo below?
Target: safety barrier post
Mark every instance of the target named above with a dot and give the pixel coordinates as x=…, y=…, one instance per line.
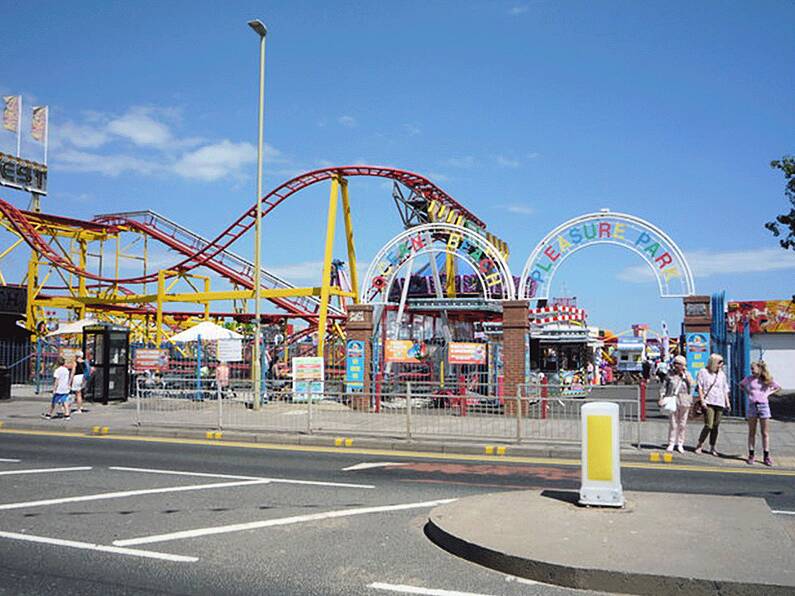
x=38, y=365
x=462, y=392
x=309, y=413
x=642, y=398
x=138, y=403
x=518, y=413
x=220, y=407
x=601, y=465
x=641, y=415
x=544, y=395
x=378, y=379
x=408, y=410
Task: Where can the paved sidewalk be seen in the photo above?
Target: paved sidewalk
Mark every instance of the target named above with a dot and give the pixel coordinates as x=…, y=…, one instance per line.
x=658, y=544
x=24, y=411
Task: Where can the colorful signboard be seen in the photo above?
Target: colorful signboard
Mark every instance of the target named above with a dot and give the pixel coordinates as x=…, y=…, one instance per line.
x=652, y=244
x=307, y=378
x=354, y=365
x=494, y=276
x=459, y=352
x=150, y=359
x=697, y=346
x=404, y=350
x=762, y=316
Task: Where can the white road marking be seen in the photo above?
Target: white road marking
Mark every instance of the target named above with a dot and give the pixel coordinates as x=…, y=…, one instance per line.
x=9, y=461
x=44, y=470
x=128, y=493
x=403, y=589
x=779, y=512
x=521, y=580
x=98, y=547
x=366, y=465
x=284, y=521
x=274, y=480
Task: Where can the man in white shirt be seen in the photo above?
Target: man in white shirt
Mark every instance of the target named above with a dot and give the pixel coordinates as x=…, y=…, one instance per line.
x=60, y=389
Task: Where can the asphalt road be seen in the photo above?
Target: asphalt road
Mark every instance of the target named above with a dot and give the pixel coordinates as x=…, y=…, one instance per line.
x=133, y=517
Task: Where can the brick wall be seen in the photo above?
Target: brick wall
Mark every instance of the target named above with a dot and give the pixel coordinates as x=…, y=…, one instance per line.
x=515, y=326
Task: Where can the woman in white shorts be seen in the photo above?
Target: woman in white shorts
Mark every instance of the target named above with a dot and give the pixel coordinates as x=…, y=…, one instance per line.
x=76, y=388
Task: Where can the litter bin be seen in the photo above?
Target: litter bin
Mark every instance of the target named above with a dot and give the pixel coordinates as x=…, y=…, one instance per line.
x=5, y=382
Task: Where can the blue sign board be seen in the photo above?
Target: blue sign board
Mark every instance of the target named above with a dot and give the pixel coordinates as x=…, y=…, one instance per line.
x=697, y=352
x=354, y=365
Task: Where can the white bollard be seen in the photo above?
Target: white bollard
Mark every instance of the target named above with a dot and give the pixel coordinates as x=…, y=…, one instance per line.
x=601, y=465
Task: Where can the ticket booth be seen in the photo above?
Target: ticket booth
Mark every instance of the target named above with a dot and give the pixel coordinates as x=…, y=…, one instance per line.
x=107, y=347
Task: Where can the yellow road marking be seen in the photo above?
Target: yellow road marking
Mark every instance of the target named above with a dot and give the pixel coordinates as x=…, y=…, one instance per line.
x=396, y=453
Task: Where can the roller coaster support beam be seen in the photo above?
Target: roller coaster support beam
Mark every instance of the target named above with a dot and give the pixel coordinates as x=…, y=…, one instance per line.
x=346, y=210
x=161, y=291
x=81, y=285
x=328, y=255
x=33, y=278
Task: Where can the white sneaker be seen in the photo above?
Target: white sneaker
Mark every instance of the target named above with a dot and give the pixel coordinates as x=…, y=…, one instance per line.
x=680, y=449
x=670, y=448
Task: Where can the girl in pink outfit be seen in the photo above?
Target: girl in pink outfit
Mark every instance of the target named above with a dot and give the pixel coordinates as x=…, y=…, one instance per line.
x=713, y=393
x=759, y=386
x=678, y=383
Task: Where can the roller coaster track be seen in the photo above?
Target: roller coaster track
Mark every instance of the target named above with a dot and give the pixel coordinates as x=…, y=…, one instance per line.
x=200, y=252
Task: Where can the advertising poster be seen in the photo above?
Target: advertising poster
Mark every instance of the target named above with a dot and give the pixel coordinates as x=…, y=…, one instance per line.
x=230, y=350
x=697, y=352
x=762, y=316
x=460, y=352
x=150, y=359
x=404, y=350
x=307, y=378
x=354, y=365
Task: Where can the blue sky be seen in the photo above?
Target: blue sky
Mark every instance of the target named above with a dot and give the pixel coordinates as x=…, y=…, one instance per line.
x=528, y=113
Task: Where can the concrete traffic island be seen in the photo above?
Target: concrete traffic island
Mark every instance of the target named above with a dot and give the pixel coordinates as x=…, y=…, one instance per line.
x=660, y=543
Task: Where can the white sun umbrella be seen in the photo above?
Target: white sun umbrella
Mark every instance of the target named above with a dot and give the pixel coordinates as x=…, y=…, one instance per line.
x=72, y=327
x=205, y=331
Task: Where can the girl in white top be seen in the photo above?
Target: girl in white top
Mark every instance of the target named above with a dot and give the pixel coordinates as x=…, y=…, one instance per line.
x=713, y=393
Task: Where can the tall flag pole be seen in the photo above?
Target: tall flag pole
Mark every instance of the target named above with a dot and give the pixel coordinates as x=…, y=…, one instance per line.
x=12, y=117
x=39, y=128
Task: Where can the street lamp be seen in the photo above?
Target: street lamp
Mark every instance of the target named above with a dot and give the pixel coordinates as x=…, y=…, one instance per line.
x=256, y=371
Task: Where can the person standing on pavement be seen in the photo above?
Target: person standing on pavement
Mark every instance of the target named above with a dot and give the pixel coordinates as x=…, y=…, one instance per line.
x=759, y=386
x=678, y=383
x=713, y=393
x=78, y=377
x=60, y=389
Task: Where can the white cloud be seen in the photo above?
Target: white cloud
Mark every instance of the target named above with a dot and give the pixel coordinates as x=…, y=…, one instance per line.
x=138, y=126
x=81, y=136
x=347, y=121
x=518, y=9
x=73, y=160
x=507, y=162
x=412, y=129
x=516, y=208
x=216, y=161
x=709, y=263
x=533, y=155
x=467, y=161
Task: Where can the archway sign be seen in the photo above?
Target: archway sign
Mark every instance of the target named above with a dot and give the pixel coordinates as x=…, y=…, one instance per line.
x=605, y=227
x=492, y=271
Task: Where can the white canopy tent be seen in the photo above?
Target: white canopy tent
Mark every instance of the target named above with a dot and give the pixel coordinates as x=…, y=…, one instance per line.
x=71, y=328
x=206, y=331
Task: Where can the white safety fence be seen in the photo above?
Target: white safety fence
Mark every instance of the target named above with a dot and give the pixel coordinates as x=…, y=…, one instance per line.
x=537, y=414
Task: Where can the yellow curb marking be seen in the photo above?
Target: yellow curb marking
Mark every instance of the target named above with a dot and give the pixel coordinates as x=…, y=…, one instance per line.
x=668, y=458
x=654, y=457
x=399, y=453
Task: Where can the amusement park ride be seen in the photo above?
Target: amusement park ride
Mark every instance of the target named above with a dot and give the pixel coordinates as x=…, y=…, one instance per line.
x=75, y=264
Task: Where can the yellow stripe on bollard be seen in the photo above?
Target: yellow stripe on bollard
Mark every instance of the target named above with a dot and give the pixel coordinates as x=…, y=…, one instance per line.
x=600, y=448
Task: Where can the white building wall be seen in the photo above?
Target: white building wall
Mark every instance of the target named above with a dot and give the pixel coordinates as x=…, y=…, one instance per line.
x=778, y=350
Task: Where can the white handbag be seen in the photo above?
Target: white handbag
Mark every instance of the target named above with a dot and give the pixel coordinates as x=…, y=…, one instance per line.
x=669, y=404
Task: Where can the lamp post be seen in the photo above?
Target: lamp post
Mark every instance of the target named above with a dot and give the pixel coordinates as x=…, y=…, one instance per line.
x=256, y=370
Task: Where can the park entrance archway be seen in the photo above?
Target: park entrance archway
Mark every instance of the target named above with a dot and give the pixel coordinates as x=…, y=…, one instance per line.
x=655, y=247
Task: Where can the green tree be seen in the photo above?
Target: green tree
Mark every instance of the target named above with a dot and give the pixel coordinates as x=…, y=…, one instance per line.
x=786, y=220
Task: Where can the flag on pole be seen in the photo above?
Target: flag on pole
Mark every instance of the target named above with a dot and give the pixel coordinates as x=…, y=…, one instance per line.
x=38, y=126
x=11, y=112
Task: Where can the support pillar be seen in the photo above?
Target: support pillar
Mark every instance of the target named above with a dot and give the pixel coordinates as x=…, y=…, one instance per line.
x=515, y=325
x=359, y=326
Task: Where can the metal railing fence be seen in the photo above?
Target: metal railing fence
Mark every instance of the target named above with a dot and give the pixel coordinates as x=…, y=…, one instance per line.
x=535, y=414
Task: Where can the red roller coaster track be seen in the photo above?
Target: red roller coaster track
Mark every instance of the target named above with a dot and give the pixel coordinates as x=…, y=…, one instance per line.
x=415, y=182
